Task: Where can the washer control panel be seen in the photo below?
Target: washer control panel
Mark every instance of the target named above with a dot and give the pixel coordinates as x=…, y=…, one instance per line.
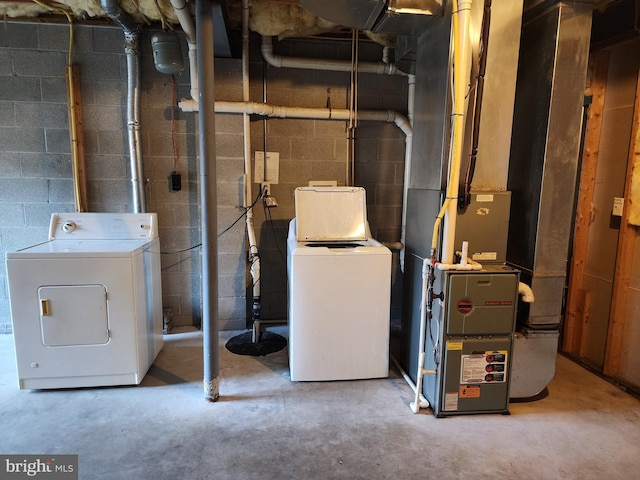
x=103, y=226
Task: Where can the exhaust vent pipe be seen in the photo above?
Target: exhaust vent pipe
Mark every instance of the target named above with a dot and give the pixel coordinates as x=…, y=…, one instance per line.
x=131, y=29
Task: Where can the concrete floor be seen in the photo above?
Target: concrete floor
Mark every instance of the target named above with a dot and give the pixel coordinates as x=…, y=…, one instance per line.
x=266, y=427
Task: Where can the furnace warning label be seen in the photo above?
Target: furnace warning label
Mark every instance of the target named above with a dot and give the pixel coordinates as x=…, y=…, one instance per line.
x=469, y=391
x=484, y=367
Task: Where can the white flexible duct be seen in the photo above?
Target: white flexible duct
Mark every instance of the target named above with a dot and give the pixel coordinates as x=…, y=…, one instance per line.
x=525, y=292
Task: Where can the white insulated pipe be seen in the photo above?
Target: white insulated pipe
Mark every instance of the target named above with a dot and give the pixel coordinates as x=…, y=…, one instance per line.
x=245, y=98
x=462, y=73
x=466, y=263
x=269, y=110
x=278, y=61
x=468, y=266
x=424, y=403
x=186, y=22
x=417, y=404
x=408, y=157
x=254, y=256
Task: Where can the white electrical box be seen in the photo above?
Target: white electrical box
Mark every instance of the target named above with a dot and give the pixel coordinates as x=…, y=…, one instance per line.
x=618, y=206
x=267, y=169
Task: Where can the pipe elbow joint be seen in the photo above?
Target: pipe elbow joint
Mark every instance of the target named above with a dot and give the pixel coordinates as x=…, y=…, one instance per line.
x=188, y=105
x=526, y=293
x=266, y=48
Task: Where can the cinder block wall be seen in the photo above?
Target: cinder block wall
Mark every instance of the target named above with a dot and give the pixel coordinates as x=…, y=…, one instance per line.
x=318, y=149
x=35, y=173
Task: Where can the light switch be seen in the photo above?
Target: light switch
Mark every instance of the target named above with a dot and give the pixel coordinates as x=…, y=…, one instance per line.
x=618, y=206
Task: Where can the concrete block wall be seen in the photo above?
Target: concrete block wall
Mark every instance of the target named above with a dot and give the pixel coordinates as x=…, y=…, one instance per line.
x=35, y=160
x=318, y=149
x=35, y=173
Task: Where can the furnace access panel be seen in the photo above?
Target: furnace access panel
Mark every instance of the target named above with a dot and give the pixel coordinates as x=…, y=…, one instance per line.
x=470, y=341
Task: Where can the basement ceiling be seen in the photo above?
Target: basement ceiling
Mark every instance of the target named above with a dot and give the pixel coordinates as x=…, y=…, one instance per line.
x=282, y=18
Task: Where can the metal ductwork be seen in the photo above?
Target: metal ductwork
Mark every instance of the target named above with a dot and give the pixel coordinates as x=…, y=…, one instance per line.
x=545, y=150
x=408, y=17
x=222, y=45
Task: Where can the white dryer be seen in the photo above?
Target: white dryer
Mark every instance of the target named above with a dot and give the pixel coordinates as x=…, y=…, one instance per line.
x=86, y=305
x=339, y=288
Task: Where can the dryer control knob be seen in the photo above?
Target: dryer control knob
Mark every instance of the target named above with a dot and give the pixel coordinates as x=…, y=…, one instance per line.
x=68, y=227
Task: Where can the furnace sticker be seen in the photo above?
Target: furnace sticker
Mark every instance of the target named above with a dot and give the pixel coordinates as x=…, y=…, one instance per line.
x=486, y=367
x=469, y=391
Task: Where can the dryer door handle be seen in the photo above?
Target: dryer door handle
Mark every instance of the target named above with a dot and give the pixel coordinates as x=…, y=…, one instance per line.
x=45, y=308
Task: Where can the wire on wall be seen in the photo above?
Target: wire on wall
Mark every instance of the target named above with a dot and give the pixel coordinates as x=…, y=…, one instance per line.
x=174, y=133
x=353, y=110
x=75, y=114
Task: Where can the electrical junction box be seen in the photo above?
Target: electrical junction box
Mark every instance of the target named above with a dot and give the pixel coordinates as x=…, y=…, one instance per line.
x=267, y=167
x=175, y=182
x=469, y=341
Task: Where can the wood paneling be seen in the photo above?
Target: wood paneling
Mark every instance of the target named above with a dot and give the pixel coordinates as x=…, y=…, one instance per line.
x=625, y=264
x=575, y=313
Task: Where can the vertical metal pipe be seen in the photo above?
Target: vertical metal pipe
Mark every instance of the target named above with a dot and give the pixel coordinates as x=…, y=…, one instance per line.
x=131, y=29
x=133, y=121
x=208, y=198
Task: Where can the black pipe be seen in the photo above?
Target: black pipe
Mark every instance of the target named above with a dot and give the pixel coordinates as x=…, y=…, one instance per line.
x=464, y=199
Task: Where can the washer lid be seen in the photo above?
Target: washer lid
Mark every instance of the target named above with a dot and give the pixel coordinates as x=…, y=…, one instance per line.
x=330, y=213
x=82, y=249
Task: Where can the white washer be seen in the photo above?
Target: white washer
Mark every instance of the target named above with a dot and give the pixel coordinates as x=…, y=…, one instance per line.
x=86, y=305
x=339, y=289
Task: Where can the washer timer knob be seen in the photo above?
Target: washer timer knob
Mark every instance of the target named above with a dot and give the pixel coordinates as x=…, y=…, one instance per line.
x=68, y=227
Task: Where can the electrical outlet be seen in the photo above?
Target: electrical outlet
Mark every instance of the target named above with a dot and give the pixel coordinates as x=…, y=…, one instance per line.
x=266, y=189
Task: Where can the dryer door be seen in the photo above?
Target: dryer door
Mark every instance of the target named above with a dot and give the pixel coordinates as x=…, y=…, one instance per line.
x=73, y=315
